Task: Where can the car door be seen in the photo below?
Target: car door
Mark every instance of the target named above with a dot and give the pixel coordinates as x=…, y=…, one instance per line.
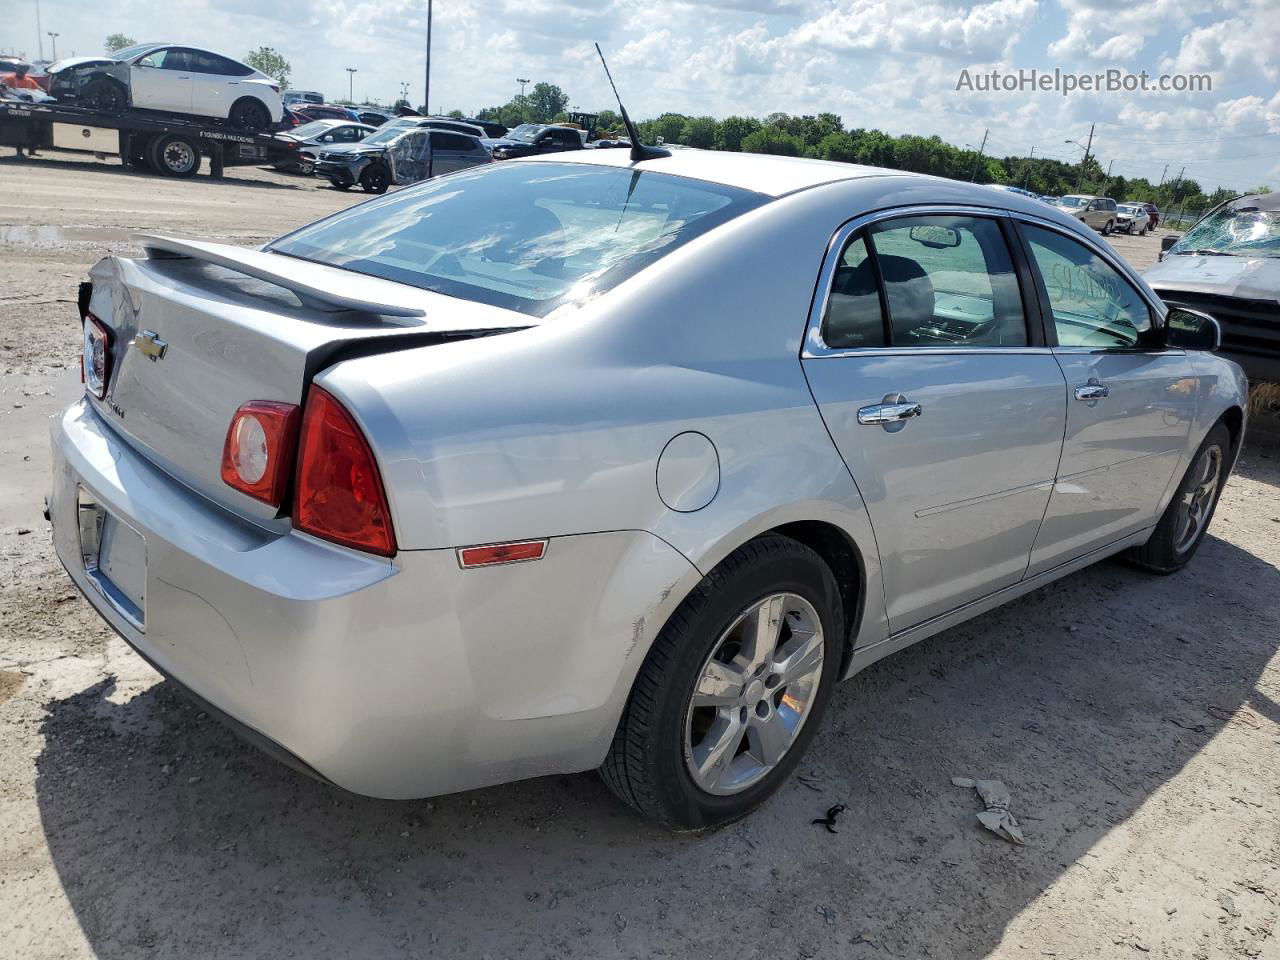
x=926, y=358
x=161, y=80
x=1130, y=400
x=449, y=152
x=213, y=86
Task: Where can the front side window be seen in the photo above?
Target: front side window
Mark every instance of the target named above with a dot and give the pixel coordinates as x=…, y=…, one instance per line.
x=1092, y=304
x=527, y=237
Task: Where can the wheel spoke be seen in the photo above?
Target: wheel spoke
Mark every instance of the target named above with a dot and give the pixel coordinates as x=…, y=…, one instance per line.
x=719, y=686
x=716, y=751
x=804, y=656
x=769, y=739
x=760, y=632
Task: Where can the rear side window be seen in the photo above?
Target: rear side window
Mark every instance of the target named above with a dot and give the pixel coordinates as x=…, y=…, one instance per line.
x=530, y=237
x=452, y=141
x=946, y=281
x=1092, y=304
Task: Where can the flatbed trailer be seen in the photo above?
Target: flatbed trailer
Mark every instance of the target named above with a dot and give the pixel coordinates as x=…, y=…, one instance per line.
x=172, y=146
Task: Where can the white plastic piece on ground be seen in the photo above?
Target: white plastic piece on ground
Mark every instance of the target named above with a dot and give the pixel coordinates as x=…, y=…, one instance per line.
x=996, y=818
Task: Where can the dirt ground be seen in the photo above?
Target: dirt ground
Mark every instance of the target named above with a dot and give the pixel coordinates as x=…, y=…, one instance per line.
x=1135, y=720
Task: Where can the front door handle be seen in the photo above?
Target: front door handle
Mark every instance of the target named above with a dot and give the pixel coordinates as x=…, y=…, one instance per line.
x=894, y=409
x=1092, y=391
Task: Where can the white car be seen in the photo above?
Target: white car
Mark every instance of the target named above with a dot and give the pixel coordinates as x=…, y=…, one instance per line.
x=172, y=78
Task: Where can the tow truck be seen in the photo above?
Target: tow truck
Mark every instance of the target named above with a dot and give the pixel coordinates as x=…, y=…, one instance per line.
x=144, y=140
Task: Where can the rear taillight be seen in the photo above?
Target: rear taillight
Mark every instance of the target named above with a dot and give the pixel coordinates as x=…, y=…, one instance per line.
x=338, y=492
x=257, y=458
x=96, y=364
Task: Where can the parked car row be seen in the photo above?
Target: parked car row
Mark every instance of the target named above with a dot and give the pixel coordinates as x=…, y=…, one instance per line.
x=1102, y=213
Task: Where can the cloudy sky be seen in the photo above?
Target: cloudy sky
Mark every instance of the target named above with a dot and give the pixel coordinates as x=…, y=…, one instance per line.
x=891, y=64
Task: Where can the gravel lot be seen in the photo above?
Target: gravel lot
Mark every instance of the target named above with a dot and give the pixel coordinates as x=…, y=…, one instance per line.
x=1135, y=719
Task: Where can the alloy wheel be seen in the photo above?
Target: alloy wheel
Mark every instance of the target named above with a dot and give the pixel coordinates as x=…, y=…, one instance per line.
x=753, y=694
x=1198, y=499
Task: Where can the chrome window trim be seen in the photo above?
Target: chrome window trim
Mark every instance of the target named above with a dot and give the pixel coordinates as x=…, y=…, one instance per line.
x=815, y=347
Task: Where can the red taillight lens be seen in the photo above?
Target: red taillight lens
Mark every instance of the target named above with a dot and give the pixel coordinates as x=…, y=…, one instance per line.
x=338, y=493
x=95, y=367
x=258, y=455
x=495, y=553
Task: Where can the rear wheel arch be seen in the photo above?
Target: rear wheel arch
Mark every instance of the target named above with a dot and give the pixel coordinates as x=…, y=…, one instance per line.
x=1233, y=419
x=843, y=557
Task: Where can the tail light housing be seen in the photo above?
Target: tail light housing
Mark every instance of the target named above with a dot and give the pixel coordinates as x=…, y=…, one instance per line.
x=257, y=457
x=338, y=492
x=95, y=367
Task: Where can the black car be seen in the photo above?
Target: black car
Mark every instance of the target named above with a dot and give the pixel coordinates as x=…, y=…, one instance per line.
x=398, y=155
x=536, y=138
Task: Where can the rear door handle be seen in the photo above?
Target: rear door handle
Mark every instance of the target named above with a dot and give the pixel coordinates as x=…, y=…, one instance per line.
x=894, y=409
x=1092, y=391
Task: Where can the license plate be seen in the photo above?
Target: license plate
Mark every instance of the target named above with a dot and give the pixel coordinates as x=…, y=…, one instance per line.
x=115, y=559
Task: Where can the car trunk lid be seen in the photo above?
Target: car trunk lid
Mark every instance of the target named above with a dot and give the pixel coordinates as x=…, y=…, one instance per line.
x=198, y=329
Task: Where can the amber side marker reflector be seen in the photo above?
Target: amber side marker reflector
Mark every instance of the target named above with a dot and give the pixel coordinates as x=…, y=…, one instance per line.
x=495, y=553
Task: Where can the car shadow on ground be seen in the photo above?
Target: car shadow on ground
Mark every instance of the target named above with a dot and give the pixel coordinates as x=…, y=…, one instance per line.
x=1085, y=698
x=120, y=170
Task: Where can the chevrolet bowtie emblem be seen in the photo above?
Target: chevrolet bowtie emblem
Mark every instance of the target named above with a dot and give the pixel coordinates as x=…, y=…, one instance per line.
x=150, y=344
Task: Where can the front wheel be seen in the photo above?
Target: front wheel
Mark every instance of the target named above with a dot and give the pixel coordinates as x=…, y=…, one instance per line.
x=732, y=690
x=1186, y=519
x=1108, y=227
x=106, y=96
x=375, y=179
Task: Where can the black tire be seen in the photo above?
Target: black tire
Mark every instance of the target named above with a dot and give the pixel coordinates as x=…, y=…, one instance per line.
x=1169, y=548
x=174, y=155
x=106, y=96
x=249, y=114
x=340, y=186
x=646, y=764
x=1108, y=227
x=376, y=178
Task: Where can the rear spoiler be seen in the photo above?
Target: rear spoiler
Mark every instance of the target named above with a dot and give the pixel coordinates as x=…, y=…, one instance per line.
x=313, y=283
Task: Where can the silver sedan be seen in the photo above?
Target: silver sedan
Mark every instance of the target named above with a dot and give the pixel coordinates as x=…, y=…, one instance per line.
x=578, y=462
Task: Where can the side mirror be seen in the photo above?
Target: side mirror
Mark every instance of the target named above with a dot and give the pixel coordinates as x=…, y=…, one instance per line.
x=1191, y=330
x=1167, y=242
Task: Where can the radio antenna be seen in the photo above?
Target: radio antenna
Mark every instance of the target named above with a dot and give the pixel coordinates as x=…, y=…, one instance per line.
x=638, y=150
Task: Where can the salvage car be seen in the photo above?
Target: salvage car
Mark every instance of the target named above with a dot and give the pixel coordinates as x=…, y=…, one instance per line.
x=616, y=459
x=1229, y=264
x=395, y=154
x=303, y=144
x=174, y=79
x=1132, y=218
x=1096, y=212
x=530, y=139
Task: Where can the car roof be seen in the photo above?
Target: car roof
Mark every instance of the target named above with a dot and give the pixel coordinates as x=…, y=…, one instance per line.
x=762, y=173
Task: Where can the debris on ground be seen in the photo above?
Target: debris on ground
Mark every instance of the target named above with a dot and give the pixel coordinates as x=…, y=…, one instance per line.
x=996, y=818
x=829, y=821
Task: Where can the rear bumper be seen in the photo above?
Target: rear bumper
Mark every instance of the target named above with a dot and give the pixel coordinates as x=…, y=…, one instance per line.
x=396, y=679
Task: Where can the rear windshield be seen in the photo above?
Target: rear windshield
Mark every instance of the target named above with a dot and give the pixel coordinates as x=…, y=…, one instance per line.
x=529, y=237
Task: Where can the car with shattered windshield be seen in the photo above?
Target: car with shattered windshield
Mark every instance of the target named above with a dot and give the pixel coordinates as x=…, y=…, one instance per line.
x=1228, y=264
x=616, y=460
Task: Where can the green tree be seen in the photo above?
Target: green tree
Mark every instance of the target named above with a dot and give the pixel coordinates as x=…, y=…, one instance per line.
x=699, y=132
x=732, y=130
x=607, y=122
x=544, y=101
x=268, y=61
x=838, y=146
x=118, y=41
x=774, y=141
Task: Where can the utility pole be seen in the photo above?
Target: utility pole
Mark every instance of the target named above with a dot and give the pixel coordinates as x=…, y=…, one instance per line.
x=426, y=90
x=1085, y=161
x=978, y=160
x=1162, y=176
x=1027, y=169
x=55, y=37
x=39, y=31
x=351, y=82
x=522, y=81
